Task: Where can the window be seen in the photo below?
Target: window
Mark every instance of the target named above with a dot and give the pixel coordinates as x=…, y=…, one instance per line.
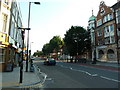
x=112, y=39
x=99, y=22
x=118, y=31
x=107, y=17
x=99, y=32
x=117, y=12
x=104, y=19
x=110, y=16
x=102, y=11
x=100, y=41
x=107, y=40
x=101, y=53
x=111, y=27
x=106, y=31
x=12, y=28
x=6, y=2
x=110, y=54
x=4, y=24
x=118, y=16
x=109, y=30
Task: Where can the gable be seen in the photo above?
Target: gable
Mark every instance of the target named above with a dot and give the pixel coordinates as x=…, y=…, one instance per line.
x=103, y=10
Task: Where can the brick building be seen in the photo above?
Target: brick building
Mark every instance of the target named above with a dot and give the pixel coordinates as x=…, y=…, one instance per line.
x=105, y=34
x=116, y=8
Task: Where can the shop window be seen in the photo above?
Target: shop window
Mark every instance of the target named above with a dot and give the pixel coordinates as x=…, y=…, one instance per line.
x=101, y=54
x=2, y=54
x=110, y=54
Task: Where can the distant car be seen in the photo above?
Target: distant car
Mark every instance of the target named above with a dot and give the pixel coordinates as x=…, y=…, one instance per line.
x=33, y=58
x=50, y=61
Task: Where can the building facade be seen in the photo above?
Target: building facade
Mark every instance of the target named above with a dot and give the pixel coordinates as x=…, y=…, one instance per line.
x=15, y=34
x=5, y=8
x=105, y=33
x=10, y=36
x=91, y=29
x=116, y=8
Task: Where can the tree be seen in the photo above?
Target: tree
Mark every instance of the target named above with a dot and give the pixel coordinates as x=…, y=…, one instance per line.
x=54, y=44
x=38, y=53
x=76, y=40
x=46, y=49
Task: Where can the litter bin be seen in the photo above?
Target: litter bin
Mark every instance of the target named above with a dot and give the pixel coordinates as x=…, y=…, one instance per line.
x=9, y=67
x=31, y=68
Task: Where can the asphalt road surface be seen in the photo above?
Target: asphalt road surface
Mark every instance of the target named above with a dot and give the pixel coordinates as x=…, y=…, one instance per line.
x=69, y=75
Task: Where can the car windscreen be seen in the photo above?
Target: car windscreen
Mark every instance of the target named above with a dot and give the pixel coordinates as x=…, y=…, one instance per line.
x=51, y=59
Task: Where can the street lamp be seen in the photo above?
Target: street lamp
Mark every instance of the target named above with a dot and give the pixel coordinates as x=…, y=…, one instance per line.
x=21, y=63
x=77, y=46
x=28, y=33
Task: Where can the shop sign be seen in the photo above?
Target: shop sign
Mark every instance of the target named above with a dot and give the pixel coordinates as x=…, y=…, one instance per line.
x=100, y=47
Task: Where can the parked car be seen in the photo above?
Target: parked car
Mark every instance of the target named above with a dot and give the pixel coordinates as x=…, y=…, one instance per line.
x=50, y=61
x=82, y=60
x=33, y=58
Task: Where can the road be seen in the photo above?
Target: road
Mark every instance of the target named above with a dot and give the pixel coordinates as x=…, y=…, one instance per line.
x=69, y=75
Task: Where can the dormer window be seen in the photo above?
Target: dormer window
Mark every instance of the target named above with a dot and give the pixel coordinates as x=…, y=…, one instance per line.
x=102, y=11
x=6, y=2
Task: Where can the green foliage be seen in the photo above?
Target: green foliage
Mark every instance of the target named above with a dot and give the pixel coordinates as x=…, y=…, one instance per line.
x=38, y=53
x=54, y=44
x=46, y=49
x=76, y=40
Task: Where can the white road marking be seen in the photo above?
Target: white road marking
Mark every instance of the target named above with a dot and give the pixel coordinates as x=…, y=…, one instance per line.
x=109, y=79
x=93, y=75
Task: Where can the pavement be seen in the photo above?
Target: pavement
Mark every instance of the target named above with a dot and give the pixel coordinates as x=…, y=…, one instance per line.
x=12, y=79
x=36, y=79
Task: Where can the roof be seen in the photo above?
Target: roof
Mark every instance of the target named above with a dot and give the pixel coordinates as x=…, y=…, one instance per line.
x=116, y=5
x=92, y=18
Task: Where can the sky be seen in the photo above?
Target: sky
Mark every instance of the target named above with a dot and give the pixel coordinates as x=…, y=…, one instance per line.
x=55, y=17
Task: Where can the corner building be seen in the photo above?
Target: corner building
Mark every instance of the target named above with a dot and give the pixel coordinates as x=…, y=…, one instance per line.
x=105, y=33
x=5, y=8
x=10, y=35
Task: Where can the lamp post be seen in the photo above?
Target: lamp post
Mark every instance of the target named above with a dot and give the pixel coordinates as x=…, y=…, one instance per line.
x=21, y=63
x=76, y=40
x=28, y=33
